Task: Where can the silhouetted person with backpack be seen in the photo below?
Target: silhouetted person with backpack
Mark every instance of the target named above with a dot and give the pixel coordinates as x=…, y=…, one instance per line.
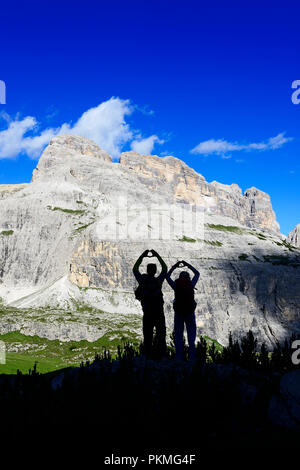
x=150, y=295
x=184, y=308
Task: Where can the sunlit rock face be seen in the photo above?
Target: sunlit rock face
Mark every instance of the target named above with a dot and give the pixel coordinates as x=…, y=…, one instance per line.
x=183, y=184
x=71, y=236
x=294, y=237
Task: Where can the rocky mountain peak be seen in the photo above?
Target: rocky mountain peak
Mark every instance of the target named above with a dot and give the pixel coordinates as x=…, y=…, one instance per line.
x=165, y=167
x=169, y=178
x=78, y=144
x=294, y=237
x=65, y=149
x=254, y=192
x=260, y=208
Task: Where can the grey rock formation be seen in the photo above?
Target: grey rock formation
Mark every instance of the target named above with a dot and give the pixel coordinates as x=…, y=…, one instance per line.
x=171, y=176
x=8, y=189
x=71, y=236
x=294, y=237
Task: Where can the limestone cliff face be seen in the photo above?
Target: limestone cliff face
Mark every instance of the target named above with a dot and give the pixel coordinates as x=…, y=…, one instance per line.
x=183, y=184
x=73, y=234
x=294, y=237
x=52, y=160
x=9, y=189
x=168, y=175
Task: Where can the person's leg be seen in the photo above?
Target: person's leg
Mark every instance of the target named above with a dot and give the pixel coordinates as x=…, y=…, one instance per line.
x=190, y=322
x=148, y=333
x=160, y=326
x=178, y=333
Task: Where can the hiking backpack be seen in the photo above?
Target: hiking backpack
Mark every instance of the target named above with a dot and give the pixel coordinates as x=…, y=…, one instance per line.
x=184, y=303
x=149, y=290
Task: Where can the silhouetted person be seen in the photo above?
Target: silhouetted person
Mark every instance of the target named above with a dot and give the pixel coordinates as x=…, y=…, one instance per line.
x=184, y=308
x=150, y=295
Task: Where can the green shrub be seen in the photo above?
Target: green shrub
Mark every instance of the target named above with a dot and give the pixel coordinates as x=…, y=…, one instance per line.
x=187, y=239
x=83, y=227
x=287, y=245
x=216, y=243
x=226, y=228
x=243, y=257
x=280, y=260
x=67, y=211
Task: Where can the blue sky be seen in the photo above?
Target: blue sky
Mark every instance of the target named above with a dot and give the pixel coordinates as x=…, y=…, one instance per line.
x=208, y=82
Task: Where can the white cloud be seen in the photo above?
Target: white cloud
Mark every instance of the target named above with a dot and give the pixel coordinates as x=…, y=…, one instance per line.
x=51, y=112
x=105, y=124
x=13, y=140
x=278, y=141
x=145, y=146
x=226, y=156
x=222, y=147
x=144, y=110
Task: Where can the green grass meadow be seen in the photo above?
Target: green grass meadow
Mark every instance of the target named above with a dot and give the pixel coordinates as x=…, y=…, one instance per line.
x=22, y=352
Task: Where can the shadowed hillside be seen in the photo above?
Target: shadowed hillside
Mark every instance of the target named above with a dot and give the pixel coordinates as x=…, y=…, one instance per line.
x=229, y=393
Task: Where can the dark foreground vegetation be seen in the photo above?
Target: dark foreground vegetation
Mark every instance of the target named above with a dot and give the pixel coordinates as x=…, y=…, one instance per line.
x=222, y=400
